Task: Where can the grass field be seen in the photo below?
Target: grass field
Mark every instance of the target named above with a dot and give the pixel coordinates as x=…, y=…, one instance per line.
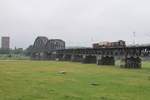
x=13, y=57
x=47, y=80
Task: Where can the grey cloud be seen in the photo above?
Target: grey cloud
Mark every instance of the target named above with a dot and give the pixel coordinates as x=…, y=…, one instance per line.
x=79, y=22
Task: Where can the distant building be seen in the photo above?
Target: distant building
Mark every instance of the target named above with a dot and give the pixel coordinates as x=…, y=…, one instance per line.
x=5, y=43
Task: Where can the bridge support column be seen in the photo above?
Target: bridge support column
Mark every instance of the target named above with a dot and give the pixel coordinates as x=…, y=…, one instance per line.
x=76, y=58
x=101, y=60
x=36, y=56
x=33, y=56
x=132, y=62
x=66, y=57
x=52, y=56
x=89, y=59
x=39, y=56
x=59, y=57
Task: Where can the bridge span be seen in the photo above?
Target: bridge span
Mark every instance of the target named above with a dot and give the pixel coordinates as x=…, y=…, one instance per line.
x=130, y=57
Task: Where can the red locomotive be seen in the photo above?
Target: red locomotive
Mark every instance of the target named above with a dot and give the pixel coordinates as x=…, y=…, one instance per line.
x=106, y=44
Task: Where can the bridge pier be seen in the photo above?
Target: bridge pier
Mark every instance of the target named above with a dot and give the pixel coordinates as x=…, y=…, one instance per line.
x=76, y=58
x=39, y=56
x=133, y=62
x=52, y=56
x=89, y=59
x=66, y=57
x=101, y=60
x=59, y=57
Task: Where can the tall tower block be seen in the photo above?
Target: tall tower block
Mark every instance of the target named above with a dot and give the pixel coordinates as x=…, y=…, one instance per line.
x=5, y=43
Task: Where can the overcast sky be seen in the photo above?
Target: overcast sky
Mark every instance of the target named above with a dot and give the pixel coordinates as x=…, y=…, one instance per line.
x=78, y=22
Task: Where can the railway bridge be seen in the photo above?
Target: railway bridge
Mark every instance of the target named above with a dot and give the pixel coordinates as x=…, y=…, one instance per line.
x=130, y=56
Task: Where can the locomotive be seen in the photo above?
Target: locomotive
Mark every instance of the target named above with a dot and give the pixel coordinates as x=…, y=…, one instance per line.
x=107, y=44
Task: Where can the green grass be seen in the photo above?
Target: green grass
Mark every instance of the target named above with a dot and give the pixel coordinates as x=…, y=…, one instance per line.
x=42, y=80
x=13, y=57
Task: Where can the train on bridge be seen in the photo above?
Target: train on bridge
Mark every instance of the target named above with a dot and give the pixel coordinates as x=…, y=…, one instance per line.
x=107, y=44
x=100, y=54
